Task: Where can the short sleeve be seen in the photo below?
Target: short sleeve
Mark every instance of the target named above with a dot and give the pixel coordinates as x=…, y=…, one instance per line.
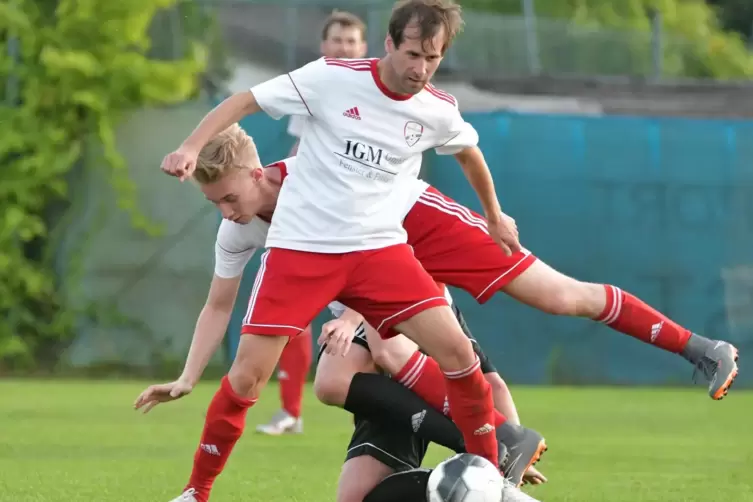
x=294, y=93
x=295, y=125
x=231, y=253
x=458, y=136
x=448, y=296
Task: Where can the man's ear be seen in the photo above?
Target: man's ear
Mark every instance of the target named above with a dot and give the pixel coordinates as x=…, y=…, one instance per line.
x=389, y=44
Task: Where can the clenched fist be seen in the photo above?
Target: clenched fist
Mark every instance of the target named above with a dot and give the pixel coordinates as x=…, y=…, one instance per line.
x=181, y=163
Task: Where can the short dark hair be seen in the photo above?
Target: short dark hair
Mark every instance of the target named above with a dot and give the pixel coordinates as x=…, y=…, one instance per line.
x=430, y=15
x=344, y=19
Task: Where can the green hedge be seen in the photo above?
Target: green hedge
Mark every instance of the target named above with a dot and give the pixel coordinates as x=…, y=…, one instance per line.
x=78, y=66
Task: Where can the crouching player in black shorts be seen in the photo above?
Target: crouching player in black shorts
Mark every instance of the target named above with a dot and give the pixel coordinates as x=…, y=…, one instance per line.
x=393, y=425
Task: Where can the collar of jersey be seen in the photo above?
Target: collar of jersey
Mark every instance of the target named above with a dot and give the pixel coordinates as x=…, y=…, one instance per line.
x=378, y=81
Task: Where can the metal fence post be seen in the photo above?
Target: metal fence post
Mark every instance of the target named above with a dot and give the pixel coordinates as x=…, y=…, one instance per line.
x=291, y=43
x=374, y=35
x=532, y=37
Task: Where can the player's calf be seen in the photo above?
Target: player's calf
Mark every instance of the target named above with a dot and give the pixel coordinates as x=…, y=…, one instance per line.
x=359, y=476
x=468, y=393
x=546, y=289
x=226, y=416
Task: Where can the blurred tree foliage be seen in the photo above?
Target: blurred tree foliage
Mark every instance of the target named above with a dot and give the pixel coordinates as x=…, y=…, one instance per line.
x=174, y=30
x=696, y=44
x=69, y=70
x=735, y=15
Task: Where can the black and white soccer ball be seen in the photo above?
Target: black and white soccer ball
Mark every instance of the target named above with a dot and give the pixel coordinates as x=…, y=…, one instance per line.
x=465, y=478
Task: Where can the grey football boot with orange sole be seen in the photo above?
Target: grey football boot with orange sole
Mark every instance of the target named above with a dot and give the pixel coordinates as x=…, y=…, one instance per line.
x=717, y=360
x=524, y=449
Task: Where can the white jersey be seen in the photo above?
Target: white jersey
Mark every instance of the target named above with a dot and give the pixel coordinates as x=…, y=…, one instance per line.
x=360, y=144
x=296, y=125
x=237, y=243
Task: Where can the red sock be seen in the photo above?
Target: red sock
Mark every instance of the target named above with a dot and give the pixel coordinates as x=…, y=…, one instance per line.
x=295, y=363
x=470, y=398
x=627, y=314
x=422, y=375
x=223, y=426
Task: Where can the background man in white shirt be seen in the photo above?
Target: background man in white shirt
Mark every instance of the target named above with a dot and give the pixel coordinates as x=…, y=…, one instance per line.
x=343, y=36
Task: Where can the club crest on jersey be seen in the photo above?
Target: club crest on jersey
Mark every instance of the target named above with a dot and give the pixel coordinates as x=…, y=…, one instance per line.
x=413, y=132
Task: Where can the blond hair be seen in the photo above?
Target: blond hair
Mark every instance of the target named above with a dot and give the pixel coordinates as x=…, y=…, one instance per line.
x=230, y=150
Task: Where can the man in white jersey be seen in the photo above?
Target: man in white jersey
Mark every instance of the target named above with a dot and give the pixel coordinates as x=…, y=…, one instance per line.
x=343, y=36
x=337, y=225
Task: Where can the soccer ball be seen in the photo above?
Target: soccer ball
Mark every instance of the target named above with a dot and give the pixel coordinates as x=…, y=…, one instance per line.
x=465, y=478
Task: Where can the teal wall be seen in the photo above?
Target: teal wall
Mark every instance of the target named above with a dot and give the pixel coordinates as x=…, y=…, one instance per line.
x=147, y=290
x=660, y=207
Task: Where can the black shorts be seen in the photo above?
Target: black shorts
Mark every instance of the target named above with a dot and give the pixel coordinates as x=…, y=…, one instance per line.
x=399, y=450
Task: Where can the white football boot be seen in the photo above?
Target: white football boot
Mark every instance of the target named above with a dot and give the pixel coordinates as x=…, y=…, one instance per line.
x=282, y=423
x=186, y=496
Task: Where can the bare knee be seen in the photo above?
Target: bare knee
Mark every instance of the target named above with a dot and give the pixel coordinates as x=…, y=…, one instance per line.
x=332, y=389
x=247, y=380
x=254, y=364
x=334, y=374
x=458, y=355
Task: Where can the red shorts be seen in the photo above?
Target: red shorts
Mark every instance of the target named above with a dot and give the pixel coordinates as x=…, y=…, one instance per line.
x=453, y=244
x=387, y=286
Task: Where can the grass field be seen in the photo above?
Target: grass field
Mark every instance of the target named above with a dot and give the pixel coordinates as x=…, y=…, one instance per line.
x=80, y=441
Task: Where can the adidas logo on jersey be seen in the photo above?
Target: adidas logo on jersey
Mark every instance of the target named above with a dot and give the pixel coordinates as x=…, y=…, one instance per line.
x=352, y=113
x=417, y=419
